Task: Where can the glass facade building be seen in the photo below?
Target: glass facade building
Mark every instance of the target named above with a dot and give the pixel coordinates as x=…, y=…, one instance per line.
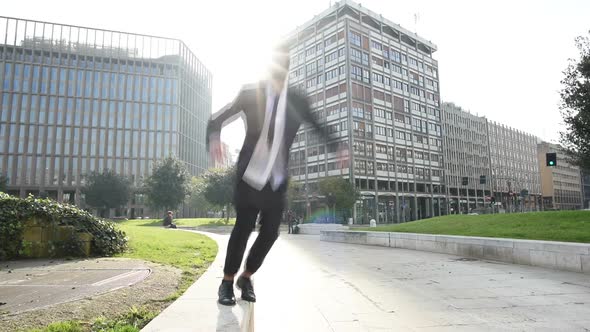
x=76, y=99
x=375, y=86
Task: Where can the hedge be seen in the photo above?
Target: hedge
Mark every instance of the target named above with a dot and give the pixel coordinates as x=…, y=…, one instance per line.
x=107, y=239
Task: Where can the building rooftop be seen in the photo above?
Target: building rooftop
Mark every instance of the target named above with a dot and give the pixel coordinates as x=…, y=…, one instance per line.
x=371, y=18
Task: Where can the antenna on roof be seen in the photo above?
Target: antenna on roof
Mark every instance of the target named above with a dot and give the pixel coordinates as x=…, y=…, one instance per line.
x=416, y=19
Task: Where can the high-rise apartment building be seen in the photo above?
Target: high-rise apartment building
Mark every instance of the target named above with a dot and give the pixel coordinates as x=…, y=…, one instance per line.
x=561, y=184
x=77, y=99
x=515, y=177
x=375, y=86
x=466, y=157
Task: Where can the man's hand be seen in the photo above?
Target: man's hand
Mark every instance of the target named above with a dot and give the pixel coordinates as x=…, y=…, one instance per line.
x=215, y=153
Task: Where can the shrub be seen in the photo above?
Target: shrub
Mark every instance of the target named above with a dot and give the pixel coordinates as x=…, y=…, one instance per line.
x=107, y=239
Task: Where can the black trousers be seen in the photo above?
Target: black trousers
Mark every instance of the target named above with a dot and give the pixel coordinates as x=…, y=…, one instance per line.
x=249, y=203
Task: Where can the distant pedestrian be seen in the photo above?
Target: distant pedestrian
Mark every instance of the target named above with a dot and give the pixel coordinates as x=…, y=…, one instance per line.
x=290, y=220
x=168, y=220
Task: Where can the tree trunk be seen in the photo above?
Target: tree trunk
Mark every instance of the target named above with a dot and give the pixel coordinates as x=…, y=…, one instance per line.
x=227, y=214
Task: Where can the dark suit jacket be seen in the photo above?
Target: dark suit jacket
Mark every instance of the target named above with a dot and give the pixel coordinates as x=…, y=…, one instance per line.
x=251, y=100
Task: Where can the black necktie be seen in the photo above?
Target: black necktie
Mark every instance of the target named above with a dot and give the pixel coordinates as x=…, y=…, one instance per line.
x=273, y=116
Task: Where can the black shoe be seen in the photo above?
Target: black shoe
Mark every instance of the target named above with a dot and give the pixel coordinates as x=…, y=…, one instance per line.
x=245, y=284
x=226, y=293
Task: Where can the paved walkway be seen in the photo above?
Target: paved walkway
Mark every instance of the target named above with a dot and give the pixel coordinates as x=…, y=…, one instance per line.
x=32, y=284
x=308, y=285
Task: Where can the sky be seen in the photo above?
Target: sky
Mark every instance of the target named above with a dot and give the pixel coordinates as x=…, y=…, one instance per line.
x=502, y=59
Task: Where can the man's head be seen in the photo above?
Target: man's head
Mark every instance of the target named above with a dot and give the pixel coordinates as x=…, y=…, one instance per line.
x=280, y=63
x=169, y=213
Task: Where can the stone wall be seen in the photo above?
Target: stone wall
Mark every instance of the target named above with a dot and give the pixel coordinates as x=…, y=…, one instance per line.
x=42, y=239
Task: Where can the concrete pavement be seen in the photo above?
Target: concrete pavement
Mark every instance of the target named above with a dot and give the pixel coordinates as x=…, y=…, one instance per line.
x=308, y=285
x=32, y=284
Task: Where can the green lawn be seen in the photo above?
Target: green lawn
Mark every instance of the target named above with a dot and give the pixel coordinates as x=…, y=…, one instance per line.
x=190, y=252
x=568, y=226
x=186, y=222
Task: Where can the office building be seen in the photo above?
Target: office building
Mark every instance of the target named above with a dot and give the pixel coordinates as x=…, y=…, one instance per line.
x=466, y=159
x=76, y=100
x=562, y=183
x=375, y=86
x=516, y=181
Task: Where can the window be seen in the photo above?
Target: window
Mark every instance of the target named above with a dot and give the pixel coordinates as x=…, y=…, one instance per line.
x=377, y=78
x=380, y=148
x=380, y=130
x=378, y=95
x=358, y=110
x=395, y=56
x=330, y=40
x=356, y=55
x=333, y=128
x=331, y=74
x=331, y=92
x=376, y=45
x=331, y=57
x=379, y=113
x=356, y=73
x=311, y=68
x=377, y=61
x=354, y=38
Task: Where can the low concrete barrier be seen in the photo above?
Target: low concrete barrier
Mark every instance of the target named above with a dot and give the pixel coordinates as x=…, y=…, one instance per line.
x=317, y=228
x=555, y=255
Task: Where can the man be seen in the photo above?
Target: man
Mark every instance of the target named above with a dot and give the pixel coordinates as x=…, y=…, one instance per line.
x=168, y=220
x=272, y=114
x=290, y=220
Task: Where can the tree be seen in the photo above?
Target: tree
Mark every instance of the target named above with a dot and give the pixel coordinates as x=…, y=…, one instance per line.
x=3, y=182
x=106, y=190
x=196, y=199
x=575, y=107
x=219, y=188
x=296, y=197
x=168, y=185
x=294, y=192
x=338, y=192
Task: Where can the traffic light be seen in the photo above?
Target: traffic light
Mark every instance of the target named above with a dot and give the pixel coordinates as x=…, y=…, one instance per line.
x=551, y=159
x=464, y=180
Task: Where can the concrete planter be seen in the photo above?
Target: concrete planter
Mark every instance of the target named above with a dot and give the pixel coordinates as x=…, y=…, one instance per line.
x=315, y=229
x=42, y=239
x=555, y=255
